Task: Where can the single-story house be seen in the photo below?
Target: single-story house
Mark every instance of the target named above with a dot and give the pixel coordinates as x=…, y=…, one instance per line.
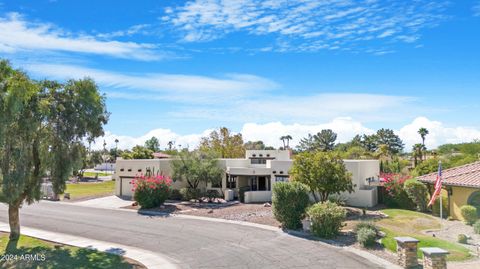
x=254, y=175
x=462, y=184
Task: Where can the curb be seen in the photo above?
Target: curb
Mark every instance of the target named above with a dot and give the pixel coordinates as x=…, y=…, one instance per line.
x=150, y=259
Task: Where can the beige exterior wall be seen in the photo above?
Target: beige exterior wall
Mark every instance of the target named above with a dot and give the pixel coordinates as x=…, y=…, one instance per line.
x=458, y=199
x=364, y=195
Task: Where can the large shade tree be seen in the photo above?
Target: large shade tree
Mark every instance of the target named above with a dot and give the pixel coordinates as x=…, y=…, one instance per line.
x=42, y=128
x=223, y=143
x=323, y=172
x=196, y=167
x=322, y=141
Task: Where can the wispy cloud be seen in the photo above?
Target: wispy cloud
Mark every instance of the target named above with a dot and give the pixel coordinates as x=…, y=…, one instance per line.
x=20, y=35
x=132, y=30
x=307, y=25
x=175, y=87
x=476, y=9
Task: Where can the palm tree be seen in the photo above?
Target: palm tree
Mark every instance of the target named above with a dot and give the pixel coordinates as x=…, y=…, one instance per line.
x=170, y=145
x=288, y=138
x=423, y=133
x=116, y=148
x=417, y=151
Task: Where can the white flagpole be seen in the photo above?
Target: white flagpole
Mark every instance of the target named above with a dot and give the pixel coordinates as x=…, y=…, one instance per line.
x=441, y=198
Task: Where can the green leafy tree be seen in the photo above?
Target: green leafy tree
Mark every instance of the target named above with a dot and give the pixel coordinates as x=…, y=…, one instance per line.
x=42, y=126
x=138, y=152
x=418, y=193
x=254, y=145
x=223, y=143
x=370, y=142
x=323, y=141
x=153, y=144
x=195, y=168
x=390, y=139
x=323, y=172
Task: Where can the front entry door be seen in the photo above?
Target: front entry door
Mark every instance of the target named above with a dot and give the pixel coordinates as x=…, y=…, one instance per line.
x=262, y=183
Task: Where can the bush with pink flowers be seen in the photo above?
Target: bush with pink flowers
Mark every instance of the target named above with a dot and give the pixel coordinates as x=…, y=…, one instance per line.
x=151, y=191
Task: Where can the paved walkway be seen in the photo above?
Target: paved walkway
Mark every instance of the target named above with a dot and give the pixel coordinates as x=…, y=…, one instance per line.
x=149, y=259
x=189, y=242
x=109, y=202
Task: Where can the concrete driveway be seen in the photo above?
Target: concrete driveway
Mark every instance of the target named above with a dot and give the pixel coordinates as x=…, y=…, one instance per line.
x=189, y=243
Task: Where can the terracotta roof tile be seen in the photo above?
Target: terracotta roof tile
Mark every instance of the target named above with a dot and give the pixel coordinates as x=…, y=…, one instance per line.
x=466, y=175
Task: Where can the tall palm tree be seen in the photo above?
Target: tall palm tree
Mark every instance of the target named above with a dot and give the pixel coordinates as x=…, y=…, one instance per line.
x=170, y=145
x=283, y=138
x=423, y=133
x=417, y=151
x=288, y=138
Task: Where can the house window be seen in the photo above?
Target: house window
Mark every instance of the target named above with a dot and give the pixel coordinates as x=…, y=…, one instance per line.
x=231, y=182
x=258, y=161
x=281, y=178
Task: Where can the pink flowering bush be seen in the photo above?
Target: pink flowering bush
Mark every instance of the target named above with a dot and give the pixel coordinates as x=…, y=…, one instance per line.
x=396, y=196
x=151, y=191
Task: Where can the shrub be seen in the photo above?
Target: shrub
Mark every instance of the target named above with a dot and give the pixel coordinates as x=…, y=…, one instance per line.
x=462, y=239
x=326, y=219
x=469, y=214
x=151, y=191
x=365, y=224
x=175, y=195
x=190, y=193
x=396, y=196
x=289, y=202
x=476, y=227
x=366, y=236
x=417, y=192
x=212, y=194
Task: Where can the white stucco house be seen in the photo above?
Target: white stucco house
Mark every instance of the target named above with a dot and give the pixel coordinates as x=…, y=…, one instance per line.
x=254, y=175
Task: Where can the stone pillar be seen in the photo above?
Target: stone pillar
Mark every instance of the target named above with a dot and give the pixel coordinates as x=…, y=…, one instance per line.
x=434, y=258
x=407, y=251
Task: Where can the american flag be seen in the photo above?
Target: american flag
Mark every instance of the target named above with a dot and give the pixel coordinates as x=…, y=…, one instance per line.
x=438, y=185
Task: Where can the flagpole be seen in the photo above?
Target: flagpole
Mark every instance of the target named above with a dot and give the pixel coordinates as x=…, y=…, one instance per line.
x=441, y=197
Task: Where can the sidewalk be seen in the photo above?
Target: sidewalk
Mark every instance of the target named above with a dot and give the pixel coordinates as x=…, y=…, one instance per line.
x=150, y=259
x=109, y=202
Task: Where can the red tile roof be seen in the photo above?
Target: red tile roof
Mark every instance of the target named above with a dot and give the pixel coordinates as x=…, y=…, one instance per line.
x=466, y=176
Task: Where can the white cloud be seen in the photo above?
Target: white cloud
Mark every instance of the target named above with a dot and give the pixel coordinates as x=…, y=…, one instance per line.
x=346, y=128
x=157, y=82
x=269, y=133
x=19, y=35
x=132, y=30
x=438, y=133
x=307, y=25
x=163, y=135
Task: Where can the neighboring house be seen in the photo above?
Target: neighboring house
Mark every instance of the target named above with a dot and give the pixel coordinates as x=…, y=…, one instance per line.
x=462, y=185
x=254, y=176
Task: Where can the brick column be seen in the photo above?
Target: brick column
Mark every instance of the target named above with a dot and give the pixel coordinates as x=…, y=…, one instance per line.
x=434, y=258
x=407, y=251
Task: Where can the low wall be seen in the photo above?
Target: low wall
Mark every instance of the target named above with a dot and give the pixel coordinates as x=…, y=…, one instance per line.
x=258, y=196
x=362, y=198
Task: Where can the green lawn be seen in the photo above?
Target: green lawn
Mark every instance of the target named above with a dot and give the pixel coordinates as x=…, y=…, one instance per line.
x=82, y=190
x=410, y=223
x=93, y=174
x=34, y=253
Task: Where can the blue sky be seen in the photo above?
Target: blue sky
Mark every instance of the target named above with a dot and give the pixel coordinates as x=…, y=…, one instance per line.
x=177, y=69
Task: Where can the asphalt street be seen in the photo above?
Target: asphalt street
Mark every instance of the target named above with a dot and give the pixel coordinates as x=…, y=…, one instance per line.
x=189, y=243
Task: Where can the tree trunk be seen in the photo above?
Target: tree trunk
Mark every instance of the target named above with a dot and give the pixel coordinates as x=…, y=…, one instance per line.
x=14, y=221
x=315, y=196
